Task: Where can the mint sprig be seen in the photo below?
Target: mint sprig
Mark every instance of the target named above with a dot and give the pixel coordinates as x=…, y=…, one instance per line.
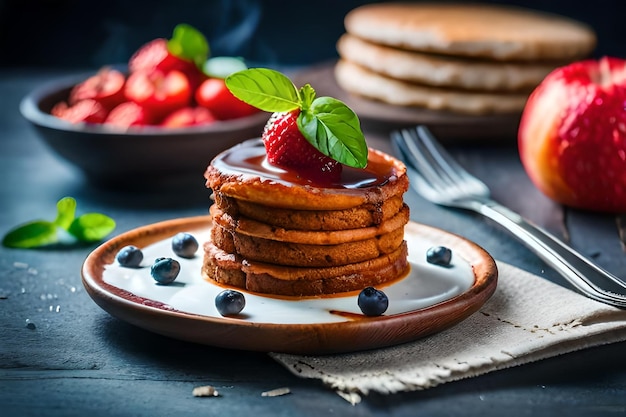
x=89, y=227
x=327, y=123
x=189, y=43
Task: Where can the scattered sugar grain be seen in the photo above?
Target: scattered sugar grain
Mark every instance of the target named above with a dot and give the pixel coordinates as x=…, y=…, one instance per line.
x=205, y=391
x=276, y=392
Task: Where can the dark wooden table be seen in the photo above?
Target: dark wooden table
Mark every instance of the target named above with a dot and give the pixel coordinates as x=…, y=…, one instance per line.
x=61, y=355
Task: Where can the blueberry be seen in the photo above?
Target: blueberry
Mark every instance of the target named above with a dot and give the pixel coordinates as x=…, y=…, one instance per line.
x=373, y=302
x=439, y=255
x=165, y=270
x=230, y=302
x=184, y=245
x=129, y=256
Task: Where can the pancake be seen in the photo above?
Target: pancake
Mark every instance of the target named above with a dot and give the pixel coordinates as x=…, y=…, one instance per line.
x=497, y=32
x=365, y=215
x=443, y=70
x=253, y=228
x=303, y=254
x=230, y=270
x=360, y=81
x=238, y=173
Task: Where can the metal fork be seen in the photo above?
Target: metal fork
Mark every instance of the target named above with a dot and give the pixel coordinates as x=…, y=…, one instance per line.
x=440, y=179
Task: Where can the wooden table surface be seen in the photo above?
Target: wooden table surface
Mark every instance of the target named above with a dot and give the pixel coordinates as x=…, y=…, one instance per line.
x=61, y=355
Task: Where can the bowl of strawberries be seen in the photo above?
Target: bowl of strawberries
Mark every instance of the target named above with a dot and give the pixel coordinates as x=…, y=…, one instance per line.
x=160, y=117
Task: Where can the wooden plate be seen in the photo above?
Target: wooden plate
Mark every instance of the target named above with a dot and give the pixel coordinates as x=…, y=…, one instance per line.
x=377, y=115
x=430, y=299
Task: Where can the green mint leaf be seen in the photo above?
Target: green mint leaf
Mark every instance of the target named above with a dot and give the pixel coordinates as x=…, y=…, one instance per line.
x=334, y=129
x=66, y=211
x=190, y=44
x=31, y=235
x=264, y=89
x=64, y=229
x=223, y=66
x=91, y=227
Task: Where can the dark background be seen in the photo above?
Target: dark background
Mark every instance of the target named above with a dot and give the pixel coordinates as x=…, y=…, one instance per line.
x=89, y=34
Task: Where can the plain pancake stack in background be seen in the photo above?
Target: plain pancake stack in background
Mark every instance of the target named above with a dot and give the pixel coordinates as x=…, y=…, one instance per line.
x=462, y=58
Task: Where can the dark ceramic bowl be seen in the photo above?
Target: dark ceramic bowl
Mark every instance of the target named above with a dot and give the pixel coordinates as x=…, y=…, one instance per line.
x=149, y=156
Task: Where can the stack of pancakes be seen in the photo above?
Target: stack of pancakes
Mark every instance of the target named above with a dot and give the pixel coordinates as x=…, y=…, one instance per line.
x=463, y=58
x=288, y=238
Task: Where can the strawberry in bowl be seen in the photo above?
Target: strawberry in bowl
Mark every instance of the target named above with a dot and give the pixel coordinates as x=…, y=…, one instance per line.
x=163, y=76
x=287, y=147
x=572, y=135
x=106, y=87
x=213, y=95
x=142, y=122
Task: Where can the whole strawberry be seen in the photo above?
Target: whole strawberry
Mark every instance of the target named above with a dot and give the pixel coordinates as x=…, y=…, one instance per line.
x=186, y=51
x=215, y=96
x=287, y=147
x=312, y=136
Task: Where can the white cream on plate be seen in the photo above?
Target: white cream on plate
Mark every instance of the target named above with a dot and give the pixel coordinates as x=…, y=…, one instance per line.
x=424, y=286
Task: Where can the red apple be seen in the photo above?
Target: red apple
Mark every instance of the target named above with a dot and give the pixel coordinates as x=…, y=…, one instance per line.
x=572, y=135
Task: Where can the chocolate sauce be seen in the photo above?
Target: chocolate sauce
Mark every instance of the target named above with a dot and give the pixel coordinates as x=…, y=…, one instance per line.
x=250, y=158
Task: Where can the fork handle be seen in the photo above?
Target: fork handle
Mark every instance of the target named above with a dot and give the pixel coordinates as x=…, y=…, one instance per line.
x=574, y=267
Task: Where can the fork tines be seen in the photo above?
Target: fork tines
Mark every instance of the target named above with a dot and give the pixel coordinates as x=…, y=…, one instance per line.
x=437, y=175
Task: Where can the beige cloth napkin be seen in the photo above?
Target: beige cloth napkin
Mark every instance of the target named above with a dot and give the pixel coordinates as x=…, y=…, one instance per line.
x=527, y=319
